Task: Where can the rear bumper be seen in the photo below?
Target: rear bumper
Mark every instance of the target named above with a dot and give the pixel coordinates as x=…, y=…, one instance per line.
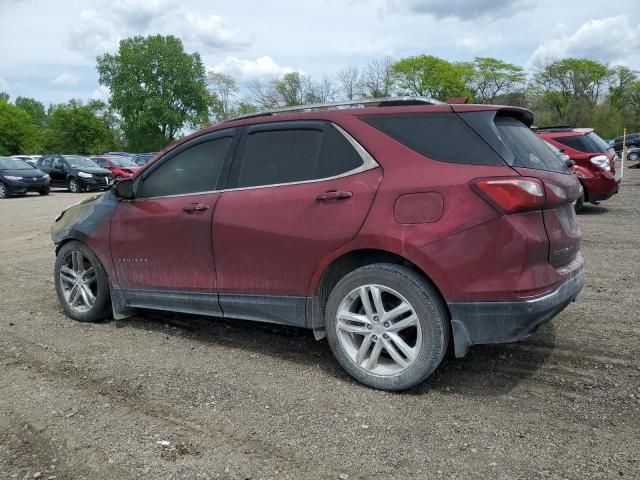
x=476, y=323
x=601, y=187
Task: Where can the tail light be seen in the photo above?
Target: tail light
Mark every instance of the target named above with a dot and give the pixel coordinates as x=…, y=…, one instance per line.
x=601, y=161
x=511, y=195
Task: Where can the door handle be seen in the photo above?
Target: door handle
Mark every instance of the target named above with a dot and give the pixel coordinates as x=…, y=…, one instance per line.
x=195, y=207
x=333, y=195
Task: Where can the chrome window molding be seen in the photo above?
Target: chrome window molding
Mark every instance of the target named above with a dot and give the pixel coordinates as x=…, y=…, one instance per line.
x=368, y=163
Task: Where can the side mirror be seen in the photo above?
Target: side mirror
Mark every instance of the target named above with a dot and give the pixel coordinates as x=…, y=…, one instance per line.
x=124, y=189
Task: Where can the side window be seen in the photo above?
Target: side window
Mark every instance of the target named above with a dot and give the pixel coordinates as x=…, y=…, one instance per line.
x=193, y=170
x=46, y=162
x=58, y=163
x=280, y=156
x=338, y=155
x=102, y=162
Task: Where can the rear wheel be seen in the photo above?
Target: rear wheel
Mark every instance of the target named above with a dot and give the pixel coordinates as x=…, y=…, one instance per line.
x=387, y=326
x=74, y=185
x=633, y=156
x=81, y=283
x=45, y=191
x=579, y=205
x=4, y=191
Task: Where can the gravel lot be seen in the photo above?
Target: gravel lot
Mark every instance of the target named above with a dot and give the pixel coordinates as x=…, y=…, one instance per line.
x=170, y=396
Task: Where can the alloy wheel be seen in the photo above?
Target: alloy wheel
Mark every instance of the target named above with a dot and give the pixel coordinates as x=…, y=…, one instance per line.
x=379, y=330
x=78, y=281
x=3, y=191
x=633, y=156
x=74, y=187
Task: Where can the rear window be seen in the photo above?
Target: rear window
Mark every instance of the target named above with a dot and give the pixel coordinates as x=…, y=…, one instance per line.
x=528, y=149
x=443, y=137
x=589, y=143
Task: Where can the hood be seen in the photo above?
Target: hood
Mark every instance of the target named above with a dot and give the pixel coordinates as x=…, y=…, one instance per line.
x=32, y=172
x=96, y=170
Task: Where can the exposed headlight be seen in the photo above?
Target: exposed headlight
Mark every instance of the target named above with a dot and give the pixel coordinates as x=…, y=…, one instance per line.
x=9, y=177
x=46, y=176
x=84, y=175
x=601, y=161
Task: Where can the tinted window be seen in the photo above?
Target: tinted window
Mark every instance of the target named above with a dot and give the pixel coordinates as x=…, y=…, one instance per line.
x=443, y=137
x=589, y=143
x=193, y=170
x=45, y=162
x=529, y=150
x=280, y=156
x=338, y=155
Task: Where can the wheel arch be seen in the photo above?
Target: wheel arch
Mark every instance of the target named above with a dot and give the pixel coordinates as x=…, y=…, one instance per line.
x=340, y=265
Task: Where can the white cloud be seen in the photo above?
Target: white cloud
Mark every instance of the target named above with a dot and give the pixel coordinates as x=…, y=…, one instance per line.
x=243, y=70
x=4, y=85
x=609, y=39
x=101, y=93
x=460, y=9
x=97, y=33
x=66, y=80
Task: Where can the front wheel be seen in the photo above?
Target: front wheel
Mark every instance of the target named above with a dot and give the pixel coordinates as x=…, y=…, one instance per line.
x=81, y=283
x=633, y=156
x=4, y=191
x=45, y=191
x=74, y=185
x=387, y=326
x=579, y=205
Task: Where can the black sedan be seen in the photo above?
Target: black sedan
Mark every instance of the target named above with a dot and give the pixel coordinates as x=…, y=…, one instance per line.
x=17, y=177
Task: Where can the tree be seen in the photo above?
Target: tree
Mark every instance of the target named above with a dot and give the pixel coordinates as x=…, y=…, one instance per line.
x=430, y=76
x=4, y=97
x=156, y=88
x=491, y=78
x=18, y=134
x=223, y=90
x=350, y=81
x=76, y=128
x=376, y=80
x=34, y=109
x=322, y=91
x=572, y=86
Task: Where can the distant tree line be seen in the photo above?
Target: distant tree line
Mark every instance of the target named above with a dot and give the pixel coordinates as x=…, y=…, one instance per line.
x=157, y=91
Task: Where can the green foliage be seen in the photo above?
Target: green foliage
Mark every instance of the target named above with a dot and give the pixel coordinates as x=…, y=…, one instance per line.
x=156, y=88
x=430, y=76
x=76, y=128
x=17, y=131
x=34, y=108
x=4, y=97
x=492, y=78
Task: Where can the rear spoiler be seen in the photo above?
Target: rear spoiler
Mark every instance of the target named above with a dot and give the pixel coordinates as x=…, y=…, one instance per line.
x=457, y=100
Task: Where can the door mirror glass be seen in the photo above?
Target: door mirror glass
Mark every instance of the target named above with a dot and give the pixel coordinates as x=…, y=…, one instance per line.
x=124, y=189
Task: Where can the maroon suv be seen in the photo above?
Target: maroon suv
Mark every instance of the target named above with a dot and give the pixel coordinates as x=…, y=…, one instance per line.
x=395, y=230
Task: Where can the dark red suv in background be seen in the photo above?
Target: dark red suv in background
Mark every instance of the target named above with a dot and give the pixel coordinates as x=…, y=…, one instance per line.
x=595, y=160
x=119, y=166
x=395, y=230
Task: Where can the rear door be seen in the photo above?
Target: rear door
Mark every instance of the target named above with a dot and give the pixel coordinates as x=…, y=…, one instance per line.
x=297, y=191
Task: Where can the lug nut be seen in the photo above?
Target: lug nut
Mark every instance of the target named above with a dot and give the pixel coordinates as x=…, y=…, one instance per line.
x=387, y=324
x=368, y=327
x=375, y=318
x=385, y=336
x=375, y=337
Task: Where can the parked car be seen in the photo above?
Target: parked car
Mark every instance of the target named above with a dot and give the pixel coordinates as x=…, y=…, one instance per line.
x=595, y=160
x=396, y=231
x=120, y=167
x=17, y=177
x=75, y=172
x=26, y=158
x=143, y=158
x=632, y=141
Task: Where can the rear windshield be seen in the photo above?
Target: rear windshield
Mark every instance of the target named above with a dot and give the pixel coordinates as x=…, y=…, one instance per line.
x=589, y=143
x=528, y=149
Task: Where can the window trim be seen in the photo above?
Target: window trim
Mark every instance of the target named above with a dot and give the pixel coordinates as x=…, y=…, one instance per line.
x=368, y=162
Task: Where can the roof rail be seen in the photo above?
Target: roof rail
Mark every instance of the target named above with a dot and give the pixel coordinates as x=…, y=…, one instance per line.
x=368, y=102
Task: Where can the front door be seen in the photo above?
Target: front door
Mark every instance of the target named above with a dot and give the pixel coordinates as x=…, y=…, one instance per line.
x=161, y=240
x=298, y=191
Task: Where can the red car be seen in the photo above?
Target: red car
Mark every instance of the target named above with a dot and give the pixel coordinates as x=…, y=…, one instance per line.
x=120, y=167
x=595, y=161
x=396, y=231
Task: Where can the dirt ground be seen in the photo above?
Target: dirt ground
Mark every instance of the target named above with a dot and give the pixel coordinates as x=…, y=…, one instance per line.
x=175, y=397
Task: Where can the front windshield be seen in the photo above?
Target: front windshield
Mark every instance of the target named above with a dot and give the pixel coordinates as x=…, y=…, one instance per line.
x=14, y=164
x=78, y=161
x=123, y=162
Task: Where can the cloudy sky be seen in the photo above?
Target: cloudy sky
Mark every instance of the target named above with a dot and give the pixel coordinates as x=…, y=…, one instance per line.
x=48, y=47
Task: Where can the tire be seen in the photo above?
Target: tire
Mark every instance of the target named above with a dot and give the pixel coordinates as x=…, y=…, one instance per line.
x=82, y=309
x=74, y=185
x=579, y=203
x=633, y=156
x=45, y=191
x=428, y=338
x=4, y=191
